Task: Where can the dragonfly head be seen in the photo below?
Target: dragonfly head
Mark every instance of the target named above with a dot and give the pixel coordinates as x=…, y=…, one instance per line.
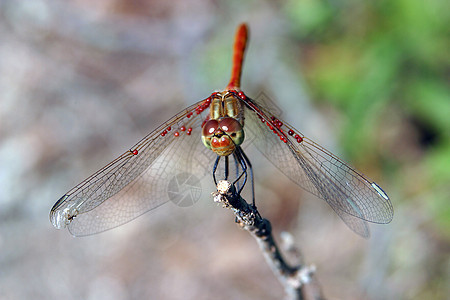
x=222, y=136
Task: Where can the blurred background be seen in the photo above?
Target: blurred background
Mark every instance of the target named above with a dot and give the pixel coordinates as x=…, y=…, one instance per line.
x=82, y=81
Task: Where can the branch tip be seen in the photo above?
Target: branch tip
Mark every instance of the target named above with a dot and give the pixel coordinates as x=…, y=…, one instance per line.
x=299, y=281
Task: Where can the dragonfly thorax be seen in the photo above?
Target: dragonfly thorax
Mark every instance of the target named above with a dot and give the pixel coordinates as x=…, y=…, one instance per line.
x=226, y=104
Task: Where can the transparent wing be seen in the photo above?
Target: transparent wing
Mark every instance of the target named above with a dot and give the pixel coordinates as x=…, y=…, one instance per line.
x=165, y=165
x=317, y=170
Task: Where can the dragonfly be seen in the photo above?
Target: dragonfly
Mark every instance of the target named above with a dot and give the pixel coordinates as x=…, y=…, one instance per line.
x=190, y=145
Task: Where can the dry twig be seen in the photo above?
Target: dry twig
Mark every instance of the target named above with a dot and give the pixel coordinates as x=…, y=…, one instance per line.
x=298, y=281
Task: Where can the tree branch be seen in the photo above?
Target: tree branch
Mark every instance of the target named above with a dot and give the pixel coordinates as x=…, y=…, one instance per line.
x=298, y=281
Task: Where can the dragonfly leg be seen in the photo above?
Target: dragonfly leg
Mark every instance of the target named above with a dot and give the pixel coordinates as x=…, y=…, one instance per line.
x=226, y=168
x=249, y=164
x=241, y=160
x=238, y=157
x=237, y=166
x=216, y=163
x=246, y=165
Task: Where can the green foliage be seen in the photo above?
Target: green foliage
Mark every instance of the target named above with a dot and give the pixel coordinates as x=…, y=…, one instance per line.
x=375, y=60
x=368, y=55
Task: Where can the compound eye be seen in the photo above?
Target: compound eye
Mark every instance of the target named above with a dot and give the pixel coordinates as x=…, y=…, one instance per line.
x=210, y=127
x=233, y=129
x=230, y=125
